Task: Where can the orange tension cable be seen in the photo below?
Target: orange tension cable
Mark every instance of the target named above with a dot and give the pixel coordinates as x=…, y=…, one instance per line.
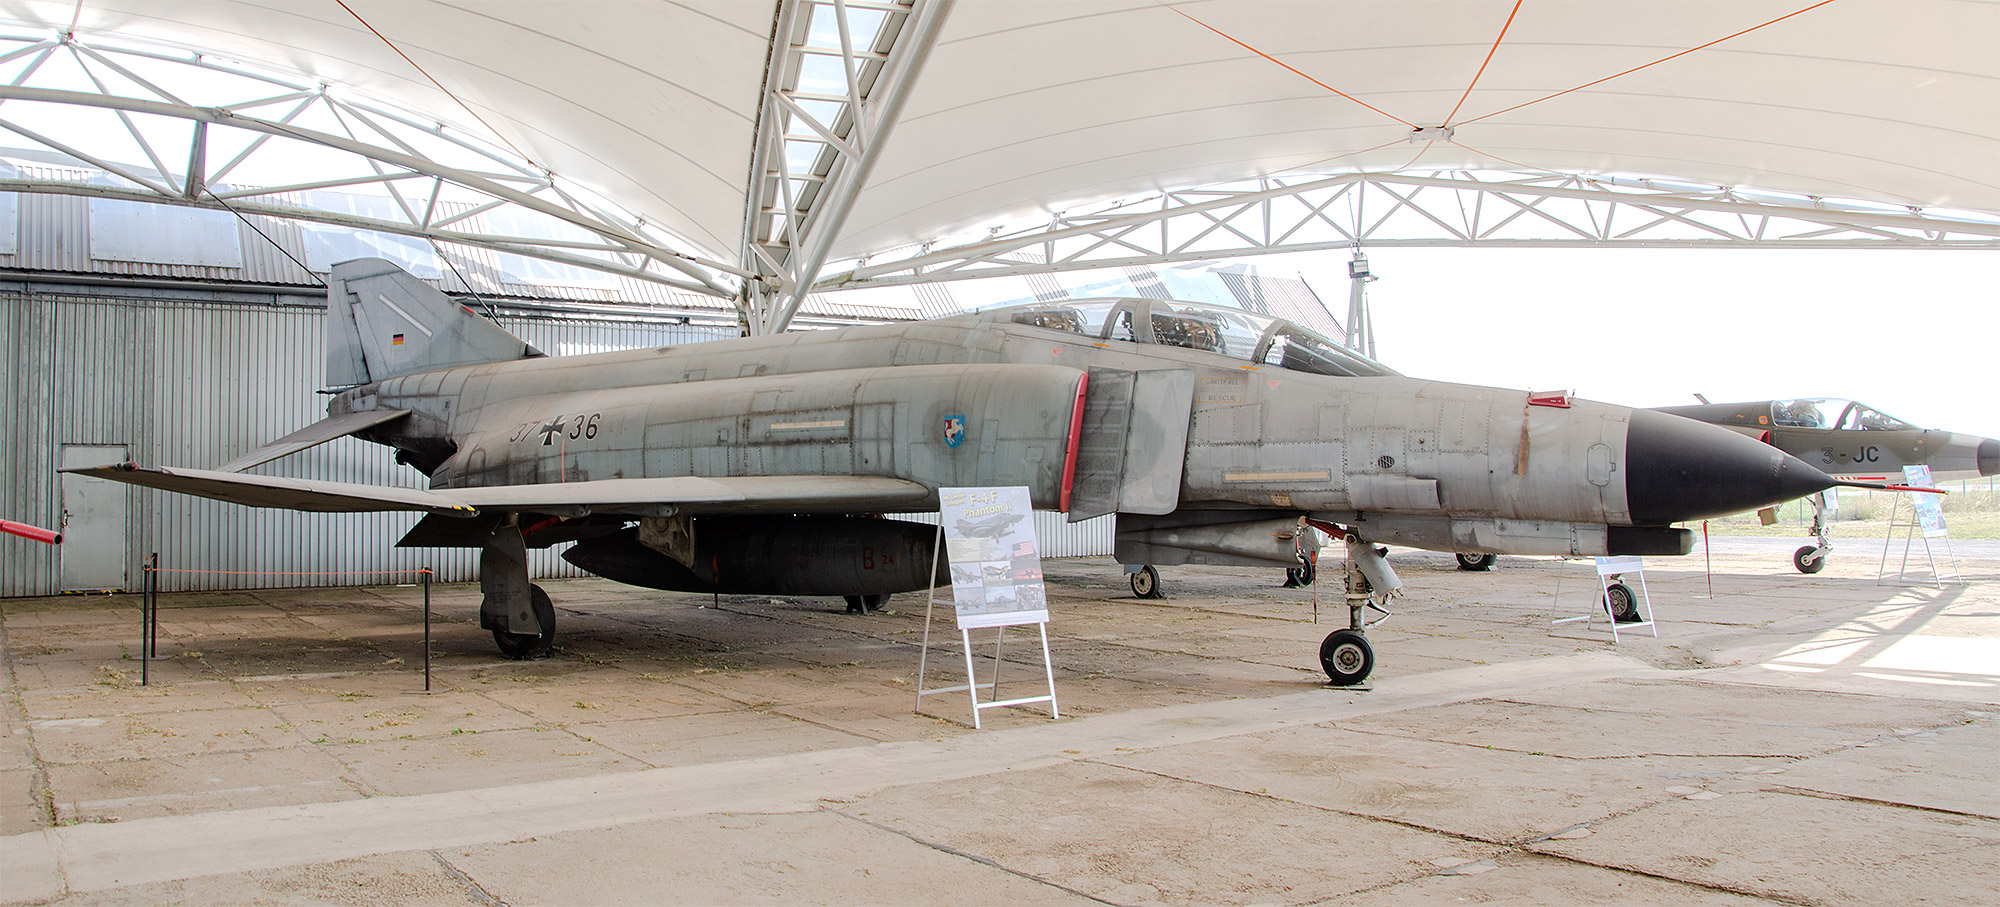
x=1489, y=59
x=1296, y=72
x=440, y=86
x=1654, y=63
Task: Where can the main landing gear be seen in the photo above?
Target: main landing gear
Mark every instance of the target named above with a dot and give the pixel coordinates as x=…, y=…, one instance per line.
x=1474, y=561
x=1146, y=582
x=529, y=646
x=519, y=613
x=1812, y=558
x=865, y=604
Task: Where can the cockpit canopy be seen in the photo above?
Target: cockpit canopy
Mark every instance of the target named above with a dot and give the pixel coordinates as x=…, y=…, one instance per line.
x=1832, y=412
x=1235, y=333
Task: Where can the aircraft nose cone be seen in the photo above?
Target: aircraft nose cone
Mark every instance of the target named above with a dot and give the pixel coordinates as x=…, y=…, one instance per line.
x=1679, y=469
x=1989, y=457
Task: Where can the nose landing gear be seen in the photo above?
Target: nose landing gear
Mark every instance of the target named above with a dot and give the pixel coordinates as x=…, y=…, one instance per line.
x=1370, y=582
x=1346, y=657
x=1812, y=558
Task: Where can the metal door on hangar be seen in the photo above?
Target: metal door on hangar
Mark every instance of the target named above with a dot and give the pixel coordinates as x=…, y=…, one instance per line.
x=93, y=549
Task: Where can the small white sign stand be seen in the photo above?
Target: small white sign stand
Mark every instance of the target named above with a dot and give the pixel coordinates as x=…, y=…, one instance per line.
x=1610, y=570
x=1925, y=513
x=996, y=583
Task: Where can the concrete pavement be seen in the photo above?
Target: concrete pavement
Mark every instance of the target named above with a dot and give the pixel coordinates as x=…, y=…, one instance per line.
x=1796, y=739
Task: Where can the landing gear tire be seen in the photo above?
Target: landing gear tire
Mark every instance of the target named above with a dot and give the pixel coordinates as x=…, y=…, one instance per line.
x=1624, y=608
x=527, y=647
x=1346, y=657
x=1475, y=561
x=1296, y=577
x=1146, y=582
x=865, y=604
x=1808, y=559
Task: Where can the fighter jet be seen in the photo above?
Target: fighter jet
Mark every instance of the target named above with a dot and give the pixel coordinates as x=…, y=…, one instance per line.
x=989, y=527
x=1848, y=440
x=757, y=465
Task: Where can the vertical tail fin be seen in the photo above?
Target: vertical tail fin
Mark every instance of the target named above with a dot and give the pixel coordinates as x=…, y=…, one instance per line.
x=382, y=323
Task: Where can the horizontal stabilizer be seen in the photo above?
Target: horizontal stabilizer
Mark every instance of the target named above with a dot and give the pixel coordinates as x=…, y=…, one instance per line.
x=273, y=491
x=312, y=436
x=638, y=497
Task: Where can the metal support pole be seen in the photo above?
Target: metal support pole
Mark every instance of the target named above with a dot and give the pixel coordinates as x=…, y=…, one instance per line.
x=924, y=651
x=1049, y=670
x=427, y=629
x=153, y=623
x=1707, y=559
x=146, y=623
x=998, y=638
x=971, y=676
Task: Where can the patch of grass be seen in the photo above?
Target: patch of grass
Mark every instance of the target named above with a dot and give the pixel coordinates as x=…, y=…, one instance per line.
x=1973, y=513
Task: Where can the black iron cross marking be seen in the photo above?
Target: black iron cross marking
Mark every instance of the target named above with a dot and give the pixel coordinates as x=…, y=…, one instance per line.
x=550, y=430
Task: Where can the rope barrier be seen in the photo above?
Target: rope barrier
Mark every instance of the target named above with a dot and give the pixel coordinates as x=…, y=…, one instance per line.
x=149, y=605
x=418, y=572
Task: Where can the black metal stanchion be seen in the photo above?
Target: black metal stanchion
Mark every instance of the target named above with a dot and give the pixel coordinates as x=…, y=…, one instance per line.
x=153, y=631
x=427, y=629
x=148, y=618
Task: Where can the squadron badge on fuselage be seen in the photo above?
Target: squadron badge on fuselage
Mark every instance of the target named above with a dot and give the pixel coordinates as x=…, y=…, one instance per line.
x=954, y=430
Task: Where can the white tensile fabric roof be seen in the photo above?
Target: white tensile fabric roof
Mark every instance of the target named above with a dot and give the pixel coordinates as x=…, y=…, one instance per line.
x=1025, y=107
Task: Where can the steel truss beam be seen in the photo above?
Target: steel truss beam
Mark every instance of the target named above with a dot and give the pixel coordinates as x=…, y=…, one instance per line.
x=431, y=199
x=817, y=143
x=1458, y=208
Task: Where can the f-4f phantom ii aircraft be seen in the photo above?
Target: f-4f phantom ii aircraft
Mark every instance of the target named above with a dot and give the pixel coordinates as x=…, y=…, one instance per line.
x=1850, y=441
x=757, y=465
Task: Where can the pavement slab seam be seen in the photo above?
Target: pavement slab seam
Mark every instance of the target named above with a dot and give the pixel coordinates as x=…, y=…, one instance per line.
x=348, y=775
x=1773, y=891
x=1265, y=795
x=950, y=851
x=1389, y=887
x=1522, y=847
x=1876, y=801
x=478, y=892
x=1683, y=716
x=40, y=788
x=1506, y=749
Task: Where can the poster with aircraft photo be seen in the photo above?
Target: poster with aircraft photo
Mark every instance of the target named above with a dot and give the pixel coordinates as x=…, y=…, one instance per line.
x=996, y=571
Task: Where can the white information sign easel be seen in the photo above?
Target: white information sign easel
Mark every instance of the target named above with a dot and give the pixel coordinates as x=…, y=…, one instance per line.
x=1611, y=571
x=996, y=583
x=1926, y=513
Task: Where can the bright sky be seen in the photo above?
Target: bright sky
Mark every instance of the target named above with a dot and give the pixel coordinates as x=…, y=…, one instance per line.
x=1915, y=334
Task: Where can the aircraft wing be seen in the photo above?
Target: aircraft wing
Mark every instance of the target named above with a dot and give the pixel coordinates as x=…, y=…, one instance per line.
x=312, y=436
x=773, y=494
x=275, y=491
